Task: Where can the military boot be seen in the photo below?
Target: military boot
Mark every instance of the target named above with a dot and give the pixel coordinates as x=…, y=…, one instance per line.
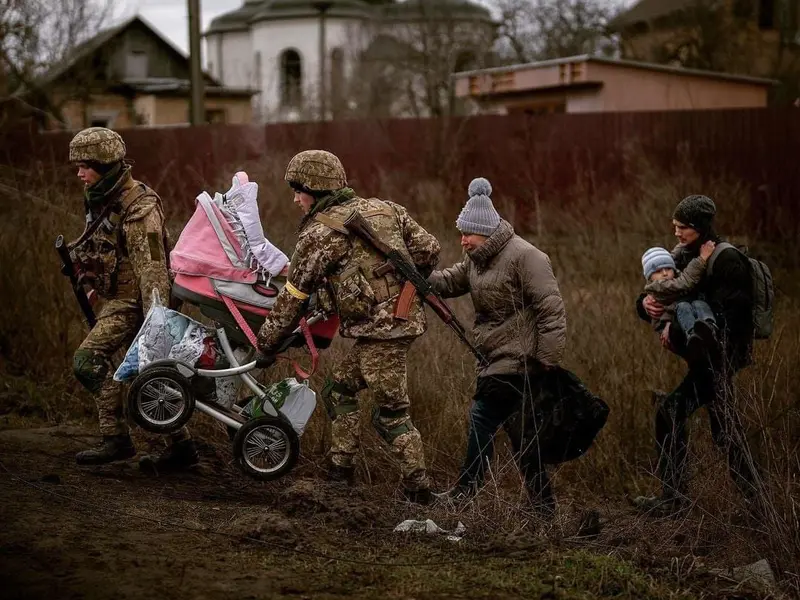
x=113, y=448
x=336, y=473
x=422, y=496
x=177, y=456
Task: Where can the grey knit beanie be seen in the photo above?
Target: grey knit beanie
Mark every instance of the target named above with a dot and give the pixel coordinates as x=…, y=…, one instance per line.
x=656, y=259
x=697, y=212
x=479, y=215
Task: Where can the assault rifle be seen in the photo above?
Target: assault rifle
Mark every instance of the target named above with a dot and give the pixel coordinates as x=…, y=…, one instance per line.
x=68, y=268
x=358, y=225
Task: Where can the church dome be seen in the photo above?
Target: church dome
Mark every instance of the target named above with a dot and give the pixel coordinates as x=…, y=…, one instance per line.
x=294, y=9
x=236, y=20
x=459, y=10
x=254, y=11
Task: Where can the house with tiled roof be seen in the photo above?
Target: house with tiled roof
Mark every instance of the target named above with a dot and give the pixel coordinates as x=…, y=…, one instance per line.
x=129, y=75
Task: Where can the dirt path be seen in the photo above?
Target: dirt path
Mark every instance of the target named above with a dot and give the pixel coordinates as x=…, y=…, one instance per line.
x=112, y=532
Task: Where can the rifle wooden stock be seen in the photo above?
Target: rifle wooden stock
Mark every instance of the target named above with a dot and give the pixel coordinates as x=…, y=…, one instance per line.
x=358, y=225
x=68, y=269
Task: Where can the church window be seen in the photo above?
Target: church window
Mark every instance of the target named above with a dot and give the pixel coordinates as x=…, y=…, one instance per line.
x=291, y=78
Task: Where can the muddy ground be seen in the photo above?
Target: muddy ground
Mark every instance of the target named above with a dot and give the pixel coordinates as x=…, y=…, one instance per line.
x=115, y=532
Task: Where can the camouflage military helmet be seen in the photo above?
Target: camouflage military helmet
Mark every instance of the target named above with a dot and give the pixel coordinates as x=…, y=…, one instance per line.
x=316, y=170
x=97, y=144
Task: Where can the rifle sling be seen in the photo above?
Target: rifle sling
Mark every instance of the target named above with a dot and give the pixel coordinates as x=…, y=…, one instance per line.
x=87, y=233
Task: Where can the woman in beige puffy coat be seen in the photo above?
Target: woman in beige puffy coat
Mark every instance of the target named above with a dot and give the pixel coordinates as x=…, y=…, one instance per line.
x=520, y=327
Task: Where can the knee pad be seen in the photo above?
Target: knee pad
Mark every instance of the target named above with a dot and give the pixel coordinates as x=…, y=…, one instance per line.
x=338, y=399
x=90, y=369
x=380, y=416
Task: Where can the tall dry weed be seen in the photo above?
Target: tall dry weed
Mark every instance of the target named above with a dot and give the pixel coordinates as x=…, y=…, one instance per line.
x=595, y=244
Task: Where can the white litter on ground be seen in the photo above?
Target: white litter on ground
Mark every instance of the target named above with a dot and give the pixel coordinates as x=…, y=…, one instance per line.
x=428, y=526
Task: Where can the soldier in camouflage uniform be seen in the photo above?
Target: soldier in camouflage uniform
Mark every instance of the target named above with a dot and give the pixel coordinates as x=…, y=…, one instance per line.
x=382, y=313
x=122, y=256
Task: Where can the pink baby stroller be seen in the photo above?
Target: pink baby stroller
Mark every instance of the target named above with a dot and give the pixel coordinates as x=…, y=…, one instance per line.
x=223, y=265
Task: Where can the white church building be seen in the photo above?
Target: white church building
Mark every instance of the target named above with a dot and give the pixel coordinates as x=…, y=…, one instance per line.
x=315, y=59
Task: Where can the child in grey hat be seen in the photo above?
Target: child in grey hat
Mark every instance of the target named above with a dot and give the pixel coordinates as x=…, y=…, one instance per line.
x=677, y=293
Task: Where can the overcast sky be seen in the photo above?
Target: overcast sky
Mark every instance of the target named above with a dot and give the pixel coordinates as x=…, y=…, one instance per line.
x=170, y=17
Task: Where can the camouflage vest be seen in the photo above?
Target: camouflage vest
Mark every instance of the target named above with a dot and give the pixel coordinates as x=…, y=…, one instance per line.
x=364, y=290
x=101, y=251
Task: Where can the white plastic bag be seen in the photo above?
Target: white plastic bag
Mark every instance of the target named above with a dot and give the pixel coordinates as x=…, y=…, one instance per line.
x=299, y=405
x=428, y=526
x=190, y=346
x=295, y=400
x=165, y=333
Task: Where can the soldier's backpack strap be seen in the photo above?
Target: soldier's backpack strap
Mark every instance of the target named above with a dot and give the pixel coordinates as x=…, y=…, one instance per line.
x=387, y=211
x=339, y=226
x=331, y=223
x=139, y=191
x=128, y=203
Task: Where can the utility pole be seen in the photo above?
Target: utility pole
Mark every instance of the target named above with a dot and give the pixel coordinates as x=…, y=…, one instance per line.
x=197, y=100
x=322, y=7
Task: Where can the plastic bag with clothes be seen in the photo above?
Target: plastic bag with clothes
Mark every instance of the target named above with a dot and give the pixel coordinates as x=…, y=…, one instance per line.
x=295, y=400
x=165, y=333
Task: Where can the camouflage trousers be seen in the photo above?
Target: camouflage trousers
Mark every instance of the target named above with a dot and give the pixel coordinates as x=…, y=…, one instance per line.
x=117, y=325
x=379, y=366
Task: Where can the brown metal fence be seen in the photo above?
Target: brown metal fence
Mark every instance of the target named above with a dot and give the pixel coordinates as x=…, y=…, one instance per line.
x=549, y=155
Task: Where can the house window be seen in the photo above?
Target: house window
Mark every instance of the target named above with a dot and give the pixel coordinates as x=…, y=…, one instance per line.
x=102, y=118
x=216, y=116
x=766, y=14
x=291, y=78
x=136, y=65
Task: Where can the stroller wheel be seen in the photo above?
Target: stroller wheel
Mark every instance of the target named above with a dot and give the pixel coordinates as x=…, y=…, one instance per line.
x=160, y=400
x=266, y=447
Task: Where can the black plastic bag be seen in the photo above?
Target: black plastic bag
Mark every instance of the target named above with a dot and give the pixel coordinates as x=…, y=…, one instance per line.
x=564, y=418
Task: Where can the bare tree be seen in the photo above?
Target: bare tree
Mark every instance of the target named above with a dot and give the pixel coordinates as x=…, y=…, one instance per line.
x=708, y=36
x=38, y=35
x=731, y=37
x=533, y=30
x=406, y=68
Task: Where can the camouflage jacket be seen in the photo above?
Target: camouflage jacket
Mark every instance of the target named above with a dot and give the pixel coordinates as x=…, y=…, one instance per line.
x=125, y=258
x=327, y=257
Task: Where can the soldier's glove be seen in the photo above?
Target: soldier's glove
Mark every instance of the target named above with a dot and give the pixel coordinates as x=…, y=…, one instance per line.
x=264, y=361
